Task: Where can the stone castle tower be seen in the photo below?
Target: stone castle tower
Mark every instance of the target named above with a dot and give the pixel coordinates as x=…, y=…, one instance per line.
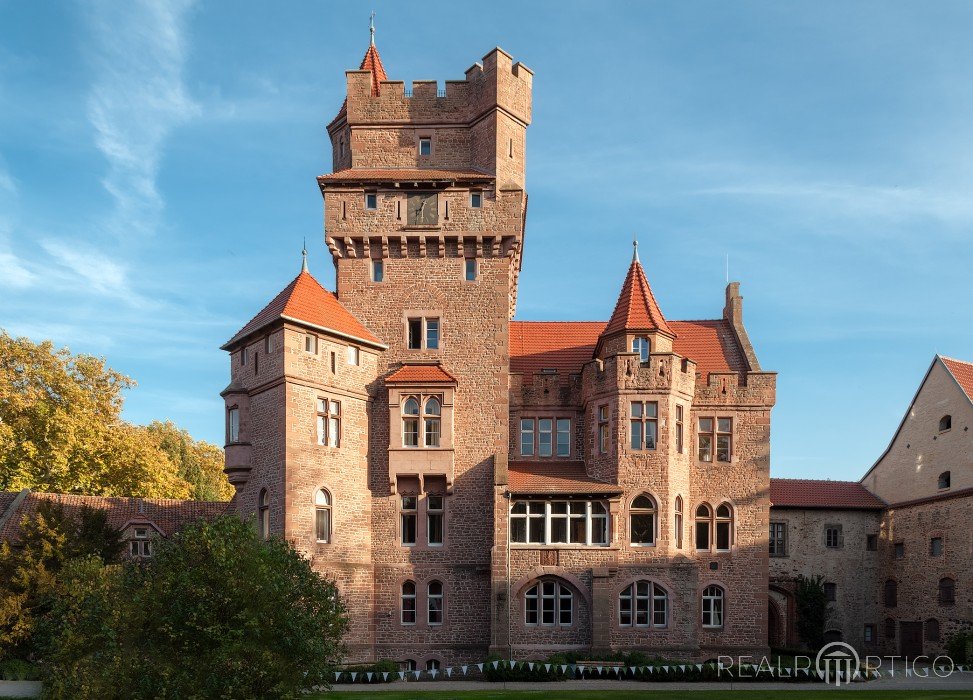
x=475, y=483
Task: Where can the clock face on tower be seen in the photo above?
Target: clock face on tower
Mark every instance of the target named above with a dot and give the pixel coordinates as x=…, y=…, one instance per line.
x=423, y=209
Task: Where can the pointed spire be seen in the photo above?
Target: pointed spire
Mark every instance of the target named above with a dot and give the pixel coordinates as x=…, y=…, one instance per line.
x=372, y=61
x=371, y=28
x=636, y=308
x=635, y=245
x=304, y=257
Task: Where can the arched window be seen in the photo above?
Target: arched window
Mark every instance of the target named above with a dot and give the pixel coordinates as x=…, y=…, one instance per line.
x=643, y=604
x=703, y=516
x=945, y=423
x=947, y=591
x=549, y=603
x=713, y=608
x=410, y=422
x=832, y=636
x=263, y=514
x=408, y=665
x=678, y=522
x=943, y=482
x=724, y=527
x=434, y=598
x=642, y=521
x=432, y=665
x=431, y=418
x=409, y=603
x=322, y=515
x=891, y=593
x=932, y=630
x=641, y=346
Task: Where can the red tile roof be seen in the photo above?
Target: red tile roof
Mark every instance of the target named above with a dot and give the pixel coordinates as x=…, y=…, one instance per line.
x=373, y=62
x=812, y=493
x=402, y=175
x=567, y=345
x=636, y=308
x=421, y=374
x=305, y=301
x=962, y=372
x=168, y=515
x=554, y=478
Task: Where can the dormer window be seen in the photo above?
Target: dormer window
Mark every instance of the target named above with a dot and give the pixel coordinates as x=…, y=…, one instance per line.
x=141, y=546
x=425, y=146
x=640, y=345
x=371, y=201
x=945, y=423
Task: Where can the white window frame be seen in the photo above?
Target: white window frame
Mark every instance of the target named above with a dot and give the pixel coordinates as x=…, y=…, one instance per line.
x=560, y=598
x=328, y=422
x=403, y=598
x=354, y=355
x=713, y=608
x=310, y=344
x=435, y=508
x=648, y=595
x=430, y=598
x=323, y=508
x=424, y=328
x=233, y=425
x=595, y=515
x=642, y=346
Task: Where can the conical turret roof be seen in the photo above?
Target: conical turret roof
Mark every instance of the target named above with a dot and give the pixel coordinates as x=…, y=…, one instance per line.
x=636, y=308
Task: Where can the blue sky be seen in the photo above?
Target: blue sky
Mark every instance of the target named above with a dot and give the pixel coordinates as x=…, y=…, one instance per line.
x=157, y=165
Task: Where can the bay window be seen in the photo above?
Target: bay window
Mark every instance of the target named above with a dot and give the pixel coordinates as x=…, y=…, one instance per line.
x=559, y=522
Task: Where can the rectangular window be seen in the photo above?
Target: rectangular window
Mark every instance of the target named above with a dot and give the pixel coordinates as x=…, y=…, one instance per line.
x=423, y=333
x=936, y=547
x=545, y=437
x=702, y=534
x=830, y=592
x=434, y=520
x=526, y=436
x=233, y=425
x=476, y=199
x=378, y=270
x=432, y=333
x=603, y=429
x=832, y=537
x=244, y=356
x=645, y=425
x=871, y=543
x=899, y=550
x=705, y=439
x=563, y=437
x=425, y=146
x=329, y=423
x=267, y=344
x=371, y=201
x=470, y=269
x=311, y=344
x=724, y=439
x=409, y=517
x=679, y=429
x=559, y=522
x=869, y=634
x=415, y=333
x=778, y=539
x=527, y=522
x=353, y=355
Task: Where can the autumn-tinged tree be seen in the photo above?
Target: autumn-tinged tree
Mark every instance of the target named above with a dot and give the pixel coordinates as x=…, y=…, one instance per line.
x=61, y=430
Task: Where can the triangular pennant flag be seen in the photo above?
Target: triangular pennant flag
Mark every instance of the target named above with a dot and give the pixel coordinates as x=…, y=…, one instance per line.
x=564, y=668
x=682, y=667
x=618, y=670
x=650, y=669
x=699, y=667
x=337, y=675
x=463, y=669
x=369, y=676
x=666, y=669
x=821, y=675
x=417, y=673
x=547, y=667
x=908, y=672
x=530, y=665
x=385, y=675
x=631, y=669
x=480, y=667
x=856, y=674
x=449, y=671
x=581, y=668
x=495, y=664
x=354, y=676
x=433, y=671
x=599, y=669
x=401, y=675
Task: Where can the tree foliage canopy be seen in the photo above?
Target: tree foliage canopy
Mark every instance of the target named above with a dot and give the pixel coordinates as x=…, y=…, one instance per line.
x=216, y=613
x=61, y=430
x=812, y=610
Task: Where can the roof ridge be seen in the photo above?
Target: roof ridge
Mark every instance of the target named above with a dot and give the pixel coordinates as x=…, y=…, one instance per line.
x=823, y=481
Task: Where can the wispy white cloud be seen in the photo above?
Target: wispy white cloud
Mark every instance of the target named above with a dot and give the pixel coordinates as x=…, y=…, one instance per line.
x=13, y=273
x=101, y=273
x=138, y=99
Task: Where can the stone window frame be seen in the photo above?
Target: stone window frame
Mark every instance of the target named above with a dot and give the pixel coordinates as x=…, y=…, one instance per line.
x=603, y=434
x=425, y=135
x=589, y=516
x=714, y=520
x=933, y=537
x=642, y=346
x=365, y=200
x=413, y=597
x=244, y=355
x=473, y=204
x=839, y=536
x=724, y=604
x=654, y=510
x=430, y=596
x=263, y=513
x=441, y=512
x=420, y=513
x=310, y=344
x=680, y=428
x=781, y=551
x=326, y=508
x=423, y=419
x=644, y=421
x=232, y=438
x=430, y=663
x=423, y=317
x=376, y=270
x=708, y=519
x=868, y=634
x=405, y=512
x=329, y=420
x=467, y=261
x=631, y=584
x=353, y=356
x=714, y=435
x=560, y=586
x=678, y=521
x=140, y=545
x=555, y=418
x=946, y=593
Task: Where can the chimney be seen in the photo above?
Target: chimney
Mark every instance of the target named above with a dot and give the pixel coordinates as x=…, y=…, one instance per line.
x=733, y=311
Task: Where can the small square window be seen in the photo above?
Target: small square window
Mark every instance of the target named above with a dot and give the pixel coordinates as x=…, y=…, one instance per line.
x=353, y=355
x=371, y=201
x=869, y=634
x=425, y=146
x=141, y=533
x=936, y=547
x=378, y=270
x=311, y=344
x=476, y=200
x=471, y=269
x=871, y=543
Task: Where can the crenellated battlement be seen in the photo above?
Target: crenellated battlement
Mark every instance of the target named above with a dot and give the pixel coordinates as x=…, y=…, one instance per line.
x=735, y=389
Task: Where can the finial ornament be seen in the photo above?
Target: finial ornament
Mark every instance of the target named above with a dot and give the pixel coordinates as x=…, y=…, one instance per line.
x=304, y=257
x=635, y=247
x=371, y=27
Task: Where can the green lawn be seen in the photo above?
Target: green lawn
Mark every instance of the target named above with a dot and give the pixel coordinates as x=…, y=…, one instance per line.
x=558, y=691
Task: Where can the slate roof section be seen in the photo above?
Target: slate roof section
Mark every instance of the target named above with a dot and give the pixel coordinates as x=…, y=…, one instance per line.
x=962, y=372
x=376, y=175
x=818, y=494
x=540, y=478
x=305, y=301
x=567, y=345
x=168, y=515
x=421, y=374
x=636, y=308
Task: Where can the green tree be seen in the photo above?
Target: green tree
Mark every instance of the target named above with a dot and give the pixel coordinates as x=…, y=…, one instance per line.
x=28, y=574
x=61, y=430
x=812, y=610
x=217, y=613
x=198, y=463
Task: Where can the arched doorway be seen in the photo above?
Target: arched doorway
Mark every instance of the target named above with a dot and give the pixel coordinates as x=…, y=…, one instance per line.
x=775, y=625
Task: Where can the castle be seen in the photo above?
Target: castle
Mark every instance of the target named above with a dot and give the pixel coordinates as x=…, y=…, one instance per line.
x=477, y=484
